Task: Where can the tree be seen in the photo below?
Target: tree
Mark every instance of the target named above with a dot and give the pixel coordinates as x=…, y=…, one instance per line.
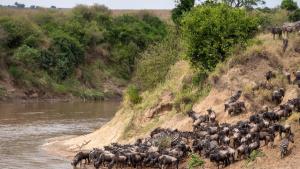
x=18, y=5
x=295, y=16
x=243, y=3
x=289, y=5
x=212, y=31
x=182, y=6
x=53, y=7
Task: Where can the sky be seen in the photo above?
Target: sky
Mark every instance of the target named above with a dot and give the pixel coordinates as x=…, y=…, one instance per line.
x=113, y=4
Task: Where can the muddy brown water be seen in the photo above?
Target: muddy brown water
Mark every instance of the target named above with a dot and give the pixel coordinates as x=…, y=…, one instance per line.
x=25, y=127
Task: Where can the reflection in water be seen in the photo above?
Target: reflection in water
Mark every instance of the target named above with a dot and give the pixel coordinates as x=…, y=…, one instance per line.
x=24, y=128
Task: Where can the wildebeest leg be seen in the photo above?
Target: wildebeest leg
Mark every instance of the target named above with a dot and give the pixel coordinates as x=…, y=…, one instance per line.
x=280, y=135
x=111, y=164
x=280, y=35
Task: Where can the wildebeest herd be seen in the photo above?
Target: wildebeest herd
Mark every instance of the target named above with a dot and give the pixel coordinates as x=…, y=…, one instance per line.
x=285, y=29
x=222, y=143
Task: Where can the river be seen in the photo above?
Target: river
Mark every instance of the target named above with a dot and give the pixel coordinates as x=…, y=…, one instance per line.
x=25, y=127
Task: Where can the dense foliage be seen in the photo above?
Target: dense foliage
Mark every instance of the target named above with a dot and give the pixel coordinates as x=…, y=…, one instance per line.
x=155, y=62
x=295, y=16
x=289, y=5
x=243, y=3
x=60, y=43
x=182, y=6
x=211, y=32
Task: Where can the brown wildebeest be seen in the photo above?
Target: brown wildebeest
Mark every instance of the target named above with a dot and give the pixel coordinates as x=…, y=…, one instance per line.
x=285, y=43
x=276, y=31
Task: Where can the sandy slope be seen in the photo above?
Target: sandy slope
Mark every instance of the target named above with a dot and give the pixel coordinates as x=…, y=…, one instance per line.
x=244, y=70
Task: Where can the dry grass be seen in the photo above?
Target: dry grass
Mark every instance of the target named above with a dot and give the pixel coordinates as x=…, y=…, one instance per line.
x=162, y=14
x=173, y=84
x=293, y=118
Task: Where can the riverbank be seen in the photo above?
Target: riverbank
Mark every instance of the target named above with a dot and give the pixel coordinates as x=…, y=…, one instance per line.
x=160, y=108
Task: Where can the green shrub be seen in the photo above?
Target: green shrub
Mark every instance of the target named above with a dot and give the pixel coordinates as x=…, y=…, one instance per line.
x=181, y=8
x=289, y=5
x=155, y=62
x=163, y=142
x=18, y=29
x=27, y=56
x=279, y=17
x=212, y=31
x=64, y=55
x=133, y=94
x=15, y=72
x=253, y=155
x=56, y=42
x=124, y=55
x=295, y=16
x=195, y=161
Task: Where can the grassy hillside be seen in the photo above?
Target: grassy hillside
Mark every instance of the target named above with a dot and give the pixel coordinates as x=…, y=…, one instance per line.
x=85, y=52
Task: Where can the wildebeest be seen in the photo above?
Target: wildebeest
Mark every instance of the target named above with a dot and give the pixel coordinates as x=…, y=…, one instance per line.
x=79, y=157
x=211, y=114
x=276, y=31
x=278, y=95
x=269, y=75
x=297, y=78
x=220, y=157
x=166, y=160
x=287, y=28
x=236, y=108
x=235, y=97
x=285, y=43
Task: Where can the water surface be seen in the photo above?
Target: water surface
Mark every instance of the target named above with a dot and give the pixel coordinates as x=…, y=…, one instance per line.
x=24, y=128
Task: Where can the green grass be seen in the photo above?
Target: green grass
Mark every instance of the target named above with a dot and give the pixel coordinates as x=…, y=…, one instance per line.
x=195, y=161
x=132, y=93
x=15, y=72
x=253, y=156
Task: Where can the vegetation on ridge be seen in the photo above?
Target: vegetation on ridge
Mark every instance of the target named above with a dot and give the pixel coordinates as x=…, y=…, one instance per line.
x=84, y=47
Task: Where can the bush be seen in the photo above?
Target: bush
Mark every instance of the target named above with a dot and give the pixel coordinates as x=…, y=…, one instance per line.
x=155, y=62
x=195, y=161
x=130, y=35
x=253, y=155
x=182, y=7
x=133, y=94
x=15, y=72
x=56, y=42
x=64, y=55
x=211, y=32
x=27, y=56
x=279, y=17
x=163, y=142
x=289, y=5
x=18, y=29
x=295, y=16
